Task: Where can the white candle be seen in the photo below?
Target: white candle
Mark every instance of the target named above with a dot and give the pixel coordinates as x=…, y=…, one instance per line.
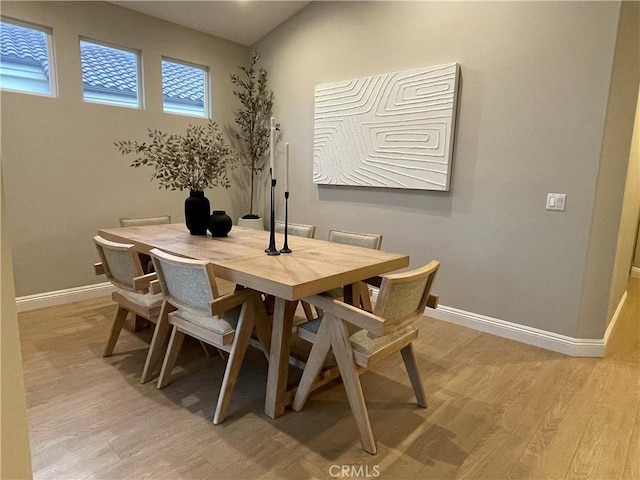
x=272, y=151
x=286, y=167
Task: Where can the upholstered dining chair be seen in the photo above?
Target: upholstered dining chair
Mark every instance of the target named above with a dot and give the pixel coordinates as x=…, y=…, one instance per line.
x=299, y=230
x=140, y=221
x=225, y=322
x=121, y=265
x=138, y=323
x=367, y=240
x=371, y=338
x=296, y=229
x=360, y=290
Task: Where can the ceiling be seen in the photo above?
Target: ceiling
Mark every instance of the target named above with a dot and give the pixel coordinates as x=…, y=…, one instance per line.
x=241, y=21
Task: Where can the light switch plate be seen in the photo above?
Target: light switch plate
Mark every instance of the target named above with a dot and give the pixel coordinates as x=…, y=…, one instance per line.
x=556, y=201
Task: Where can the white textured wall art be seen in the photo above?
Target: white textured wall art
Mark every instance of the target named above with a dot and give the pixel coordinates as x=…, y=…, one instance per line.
x=393, y=130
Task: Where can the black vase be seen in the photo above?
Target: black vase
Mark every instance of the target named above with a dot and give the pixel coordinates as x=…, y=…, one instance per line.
x=220, y=223
x=196, y=212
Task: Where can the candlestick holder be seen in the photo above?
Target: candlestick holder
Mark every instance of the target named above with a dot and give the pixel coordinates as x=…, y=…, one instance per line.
x=272, y=250
x=285, y=248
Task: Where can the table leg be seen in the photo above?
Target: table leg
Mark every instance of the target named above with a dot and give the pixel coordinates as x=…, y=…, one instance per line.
x=276, y=397
x=349, y=293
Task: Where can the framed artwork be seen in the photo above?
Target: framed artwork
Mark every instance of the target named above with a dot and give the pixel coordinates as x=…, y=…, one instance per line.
x=393, y=130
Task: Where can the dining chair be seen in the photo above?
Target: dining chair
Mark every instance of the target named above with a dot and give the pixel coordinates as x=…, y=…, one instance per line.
x=140, y=221
x=296, y=229
x=299, y=230
x=121, y=265
x=138, y=323
x=367, y=240
x=371, y=338
x=360, y=290
x=225, y=322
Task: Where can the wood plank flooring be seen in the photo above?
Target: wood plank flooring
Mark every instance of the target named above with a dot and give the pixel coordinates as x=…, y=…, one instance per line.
x=497, y=409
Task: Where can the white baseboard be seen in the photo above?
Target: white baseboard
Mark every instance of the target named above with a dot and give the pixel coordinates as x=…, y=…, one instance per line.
x=575, y=347
x=635, y=272
x=60, y=297
x=614, y=319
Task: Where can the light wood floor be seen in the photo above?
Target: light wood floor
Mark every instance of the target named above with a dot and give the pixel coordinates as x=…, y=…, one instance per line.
x=497, y=410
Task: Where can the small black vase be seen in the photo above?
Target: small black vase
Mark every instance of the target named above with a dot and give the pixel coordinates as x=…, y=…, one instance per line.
x=196, y=212
x=220, y=223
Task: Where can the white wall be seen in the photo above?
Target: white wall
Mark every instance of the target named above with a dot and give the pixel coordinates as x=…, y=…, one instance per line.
x=532, y=110
x=64, y=177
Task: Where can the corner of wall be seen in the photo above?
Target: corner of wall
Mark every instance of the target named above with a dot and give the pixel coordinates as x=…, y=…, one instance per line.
x=15, y=457
x=601, y=291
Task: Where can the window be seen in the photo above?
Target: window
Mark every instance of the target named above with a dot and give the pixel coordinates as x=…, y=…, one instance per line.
x=24, y=59
x=184, y=88
x=110, y=75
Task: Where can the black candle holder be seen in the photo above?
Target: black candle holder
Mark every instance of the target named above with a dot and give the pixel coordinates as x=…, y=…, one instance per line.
x=285, y=248
x=272, y=250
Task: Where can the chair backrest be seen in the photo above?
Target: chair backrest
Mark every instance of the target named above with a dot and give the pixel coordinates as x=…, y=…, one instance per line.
x=136, y=222
x=297, y=229
x=403, y=296
x=120, y=262
x=186, y=283
x=367, y=240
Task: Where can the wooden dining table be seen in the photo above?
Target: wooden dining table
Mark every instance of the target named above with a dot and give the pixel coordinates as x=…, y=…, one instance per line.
x=314, y=266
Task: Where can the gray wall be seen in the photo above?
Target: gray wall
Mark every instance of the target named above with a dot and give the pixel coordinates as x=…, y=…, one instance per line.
x=64, y=178
x=532, y=111
x=15, y=457
x=619, y=161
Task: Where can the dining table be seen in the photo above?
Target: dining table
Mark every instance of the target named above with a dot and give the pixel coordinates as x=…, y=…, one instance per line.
x=314, y=266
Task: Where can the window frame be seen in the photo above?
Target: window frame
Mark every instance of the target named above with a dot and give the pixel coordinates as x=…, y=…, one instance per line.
x=139, y=73
x=51, y=58
x=207, y=87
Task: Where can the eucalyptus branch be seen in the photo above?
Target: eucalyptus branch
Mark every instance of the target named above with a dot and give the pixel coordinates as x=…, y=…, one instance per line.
x=199, y=159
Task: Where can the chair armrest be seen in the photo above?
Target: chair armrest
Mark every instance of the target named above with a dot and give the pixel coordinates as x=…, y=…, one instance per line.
x=231, y=300
x=432, y=301
x=142, y=282
x=351, y=314
x=98, y=268
x=155, y=287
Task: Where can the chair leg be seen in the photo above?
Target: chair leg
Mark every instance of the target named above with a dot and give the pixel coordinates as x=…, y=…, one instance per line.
x=116, y=327
x=205, y=348
x=307, y=310
x=236, y=355
x=138, y=323
x=175, y=342
x=344, y=357
x=316, y=360
x=365, y=298
x=207, y=352
x=158, y=341
x=408, y=355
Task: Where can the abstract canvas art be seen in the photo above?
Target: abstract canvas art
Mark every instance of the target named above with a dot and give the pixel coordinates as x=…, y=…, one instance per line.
x=393, y=130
